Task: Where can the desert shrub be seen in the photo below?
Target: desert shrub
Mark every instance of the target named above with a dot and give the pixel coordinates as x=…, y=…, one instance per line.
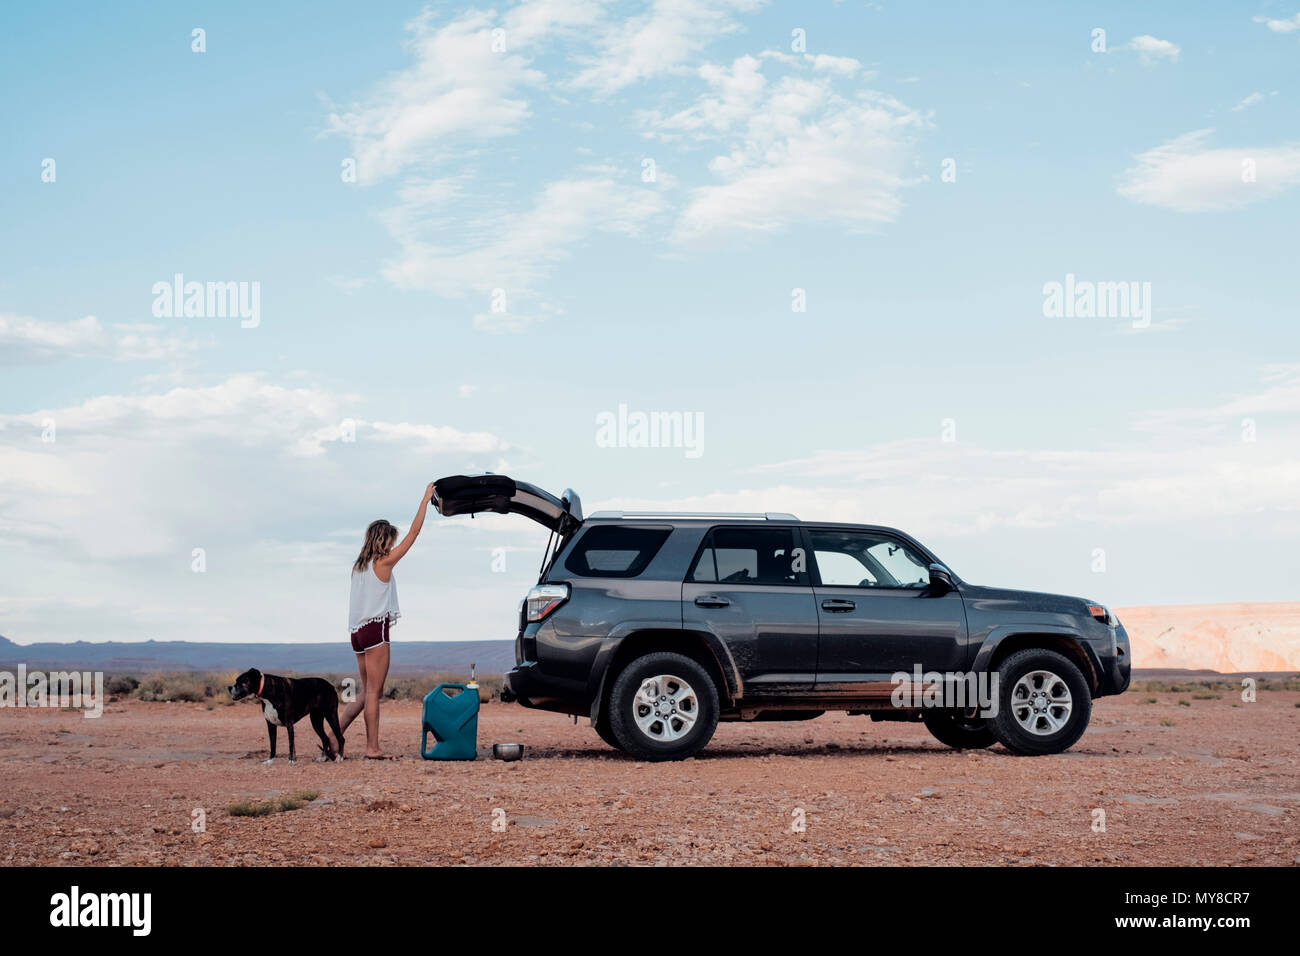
x=1211, y=685
x=120, y=685
x=414, y=687
x=198, y=687
x=183, y=686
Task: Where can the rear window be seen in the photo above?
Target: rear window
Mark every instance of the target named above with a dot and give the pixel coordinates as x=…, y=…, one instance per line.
x=749, y=556
x=615, y=552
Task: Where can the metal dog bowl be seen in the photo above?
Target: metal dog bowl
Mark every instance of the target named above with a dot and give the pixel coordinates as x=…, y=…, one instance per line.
x=508, y=751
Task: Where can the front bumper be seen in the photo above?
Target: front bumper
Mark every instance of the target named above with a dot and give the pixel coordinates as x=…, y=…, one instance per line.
x=1117, y=670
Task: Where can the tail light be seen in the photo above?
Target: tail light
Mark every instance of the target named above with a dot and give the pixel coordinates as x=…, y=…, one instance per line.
x=544, y=599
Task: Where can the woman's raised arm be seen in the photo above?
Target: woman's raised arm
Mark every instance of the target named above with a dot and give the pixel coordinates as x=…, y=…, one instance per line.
x=403, y=546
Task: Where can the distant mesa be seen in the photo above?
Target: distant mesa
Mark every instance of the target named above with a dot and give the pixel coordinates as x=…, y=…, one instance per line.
x=1227, y=638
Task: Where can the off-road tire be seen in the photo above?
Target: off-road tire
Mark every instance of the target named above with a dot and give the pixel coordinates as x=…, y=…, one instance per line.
x=602, y=730
x=958, y=731
x=624, y=707
x=1011, y=731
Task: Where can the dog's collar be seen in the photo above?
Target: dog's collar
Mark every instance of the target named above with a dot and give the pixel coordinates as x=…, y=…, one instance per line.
x=260, y=685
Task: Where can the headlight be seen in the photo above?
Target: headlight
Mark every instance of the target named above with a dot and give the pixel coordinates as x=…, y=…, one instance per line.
x=1102, y=613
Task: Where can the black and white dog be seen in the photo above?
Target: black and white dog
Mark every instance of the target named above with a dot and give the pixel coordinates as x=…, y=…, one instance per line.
x=286, y=700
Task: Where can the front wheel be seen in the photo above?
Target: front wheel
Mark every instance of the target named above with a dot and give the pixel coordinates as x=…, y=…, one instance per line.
x=957, y=730
x=663, y=706
x=1044, y=703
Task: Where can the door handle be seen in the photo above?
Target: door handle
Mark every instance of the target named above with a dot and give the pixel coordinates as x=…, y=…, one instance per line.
x=837, y=604
x=712, y=600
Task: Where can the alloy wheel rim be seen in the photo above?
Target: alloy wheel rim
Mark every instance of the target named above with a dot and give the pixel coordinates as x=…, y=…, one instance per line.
x=1041, y=702
x=665, y=708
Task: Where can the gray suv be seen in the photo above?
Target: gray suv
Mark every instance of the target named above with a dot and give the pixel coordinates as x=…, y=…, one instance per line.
x=656, y=626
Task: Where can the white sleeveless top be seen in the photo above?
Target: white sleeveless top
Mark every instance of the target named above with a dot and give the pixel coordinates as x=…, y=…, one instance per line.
x=372, y=600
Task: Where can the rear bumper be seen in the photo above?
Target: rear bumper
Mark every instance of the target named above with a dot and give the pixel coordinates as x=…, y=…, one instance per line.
x=529, y=686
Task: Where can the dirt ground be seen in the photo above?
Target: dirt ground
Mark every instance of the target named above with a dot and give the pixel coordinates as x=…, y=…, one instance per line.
x=1209, y=783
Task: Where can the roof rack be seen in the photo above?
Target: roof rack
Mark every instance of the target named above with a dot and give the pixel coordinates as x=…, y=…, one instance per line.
x=723, y=515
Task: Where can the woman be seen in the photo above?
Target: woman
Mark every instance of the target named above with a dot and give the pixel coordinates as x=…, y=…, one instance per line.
x=372, y=611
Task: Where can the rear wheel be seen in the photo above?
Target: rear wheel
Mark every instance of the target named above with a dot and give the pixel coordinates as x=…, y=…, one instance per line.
x=1043, y=703
x=955, y=729
x=663, y=706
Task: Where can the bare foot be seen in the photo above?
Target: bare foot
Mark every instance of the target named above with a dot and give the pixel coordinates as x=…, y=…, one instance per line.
x=379, y=756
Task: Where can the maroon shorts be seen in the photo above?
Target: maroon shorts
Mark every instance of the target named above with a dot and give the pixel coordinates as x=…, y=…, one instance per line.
x=370, y=635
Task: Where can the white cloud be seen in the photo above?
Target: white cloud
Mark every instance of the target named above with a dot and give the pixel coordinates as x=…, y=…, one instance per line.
x=435, y=439
x=799, y=150
x=843, y=65
x=1286, y=25
x=1249, y=101
x=736, y=93
x=1152, y=51
x=1279, y=398
x=254, y=473
x=497, y=251
x=659, y=41
x=25, y=340
x=1187, y=175
x=244, y=411
x=459, y=88
x=504, y=323
x=1183, y=466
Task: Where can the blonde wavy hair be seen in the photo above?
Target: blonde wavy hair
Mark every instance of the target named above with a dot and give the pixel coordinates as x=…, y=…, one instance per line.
x=381, y=535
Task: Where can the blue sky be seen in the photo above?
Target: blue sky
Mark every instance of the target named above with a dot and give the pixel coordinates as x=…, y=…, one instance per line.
x=501, y=152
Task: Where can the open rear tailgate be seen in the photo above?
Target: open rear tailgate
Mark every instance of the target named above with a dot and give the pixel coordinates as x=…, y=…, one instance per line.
x=471, y=494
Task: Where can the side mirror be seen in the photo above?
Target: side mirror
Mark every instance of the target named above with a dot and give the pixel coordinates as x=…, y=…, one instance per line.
x=941, y=577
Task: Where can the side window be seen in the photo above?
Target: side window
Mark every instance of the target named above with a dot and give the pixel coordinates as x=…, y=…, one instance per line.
x=750, y=556
x=908, y=569
x=861, y=559
x=611, y=551
x=842, y=569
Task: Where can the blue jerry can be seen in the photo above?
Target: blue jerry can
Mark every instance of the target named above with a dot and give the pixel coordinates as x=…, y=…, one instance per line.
x=451, y=715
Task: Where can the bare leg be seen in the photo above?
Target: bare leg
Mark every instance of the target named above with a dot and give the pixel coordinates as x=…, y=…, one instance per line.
x=376, y=674
x=353, y=709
